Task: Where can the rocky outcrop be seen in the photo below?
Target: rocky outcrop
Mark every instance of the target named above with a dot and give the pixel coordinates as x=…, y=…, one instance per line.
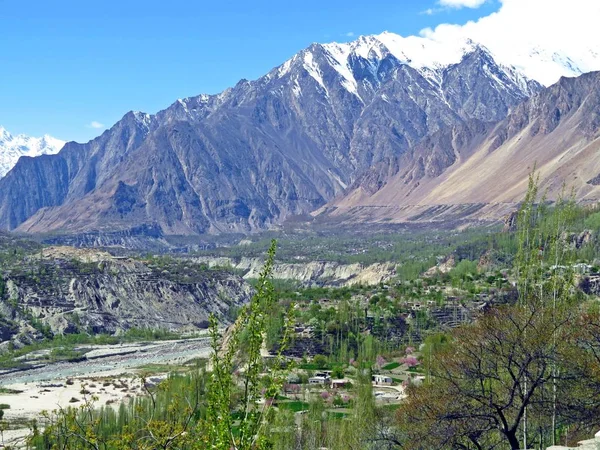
x=73, y=290
x=442, y=267
x=510, y=222
x=322, y=273
x=581, y=239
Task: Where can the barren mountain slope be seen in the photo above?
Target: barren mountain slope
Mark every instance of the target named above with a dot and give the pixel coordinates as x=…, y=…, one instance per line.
x=477, y=172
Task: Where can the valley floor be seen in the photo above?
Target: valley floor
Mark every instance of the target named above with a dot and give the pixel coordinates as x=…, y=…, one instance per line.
x=109, y=372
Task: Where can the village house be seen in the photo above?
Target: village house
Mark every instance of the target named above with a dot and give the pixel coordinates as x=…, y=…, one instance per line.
x=382, y=380
x=320, y=378
x=338, y=384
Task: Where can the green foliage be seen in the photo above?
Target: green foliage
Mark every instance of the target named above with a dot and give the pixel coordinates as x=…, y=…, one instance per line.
x=411, y=270
x=251, y=430
x=64, y=354
x=320, y=362
x=337, y=372
x=414, y=251
x=4, y=390
x=592, y=222
x=293, y=406
x=509, y=379
x=464, y=270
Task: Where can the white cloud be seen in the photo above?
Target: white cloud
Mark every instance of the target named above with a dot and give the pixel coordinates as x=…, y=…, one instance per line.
x=95, y=124
x=446, y=5
x=462, y=3
x=349, y=34
x=547, y=29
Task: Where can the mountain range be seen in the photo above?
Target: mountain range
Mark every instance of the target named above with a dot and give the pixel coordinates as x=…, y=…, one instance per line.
x=384, y=129
x=13, y=147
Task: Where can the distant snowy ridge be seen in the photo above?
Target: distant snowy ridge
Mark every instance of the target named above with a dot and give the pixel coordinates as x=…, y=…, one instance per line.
x=13, y=147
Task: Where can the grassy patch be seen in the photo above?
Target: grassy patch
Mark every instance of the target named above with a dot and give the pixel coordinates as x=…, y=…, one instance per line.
x=313, y=366
x=391, y=366
x=294, y=406
x=65, y=354
x=392, y=407
x=337, y=415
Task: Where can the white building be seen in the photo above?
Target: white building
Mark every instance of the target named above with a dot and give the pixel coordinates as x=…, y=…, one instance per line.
x=382, y=380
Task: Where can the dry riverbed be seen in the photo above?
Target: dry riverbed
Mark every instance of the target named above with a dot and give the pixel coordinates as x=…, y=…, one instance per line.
x=108, y=372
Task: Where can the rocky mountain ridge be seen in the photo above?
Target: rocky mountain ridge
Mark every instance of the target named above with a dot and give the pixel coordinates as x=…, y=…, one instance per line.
x=262, y=151
x=481, y=170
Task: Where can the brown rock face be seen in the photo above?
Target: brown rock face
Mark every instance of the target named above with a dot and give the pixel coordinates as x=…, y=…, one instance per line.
x=90, y=291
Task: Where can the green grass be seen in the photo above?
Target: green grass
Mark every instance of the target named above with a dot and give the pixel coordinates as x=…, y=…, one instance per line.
x=293, y=406
x=337, y=415
x=312, y=366
x=392, y=407
x=391, y=366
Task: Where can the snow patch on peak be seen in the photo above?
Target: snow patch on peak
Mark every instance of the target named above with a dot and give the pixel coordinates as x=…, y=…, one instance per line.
x=430, y=57
x=285, y=67
x=296, y=89
x=368, y=47
x=313, y=69
x=338, y=57
x=143, y=118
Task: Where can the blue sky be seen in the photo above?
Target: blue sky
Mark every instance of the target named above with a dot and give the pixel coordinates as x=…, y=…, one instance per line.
x=65, y=64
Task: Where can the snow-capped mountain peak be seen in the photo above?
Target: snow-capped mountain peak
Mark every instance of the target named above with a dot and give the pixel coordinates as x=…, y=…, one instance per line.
x=431, y=57
x=13, y=147
x=422, y=53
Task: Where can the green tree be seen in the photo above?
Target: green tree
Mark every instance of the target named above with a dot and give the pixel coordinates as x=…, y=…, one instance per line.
x=252, y=430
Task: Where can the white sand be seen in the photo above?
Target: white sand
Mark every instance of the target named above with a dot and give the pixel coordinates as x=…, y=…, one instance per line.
x=38, y=397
